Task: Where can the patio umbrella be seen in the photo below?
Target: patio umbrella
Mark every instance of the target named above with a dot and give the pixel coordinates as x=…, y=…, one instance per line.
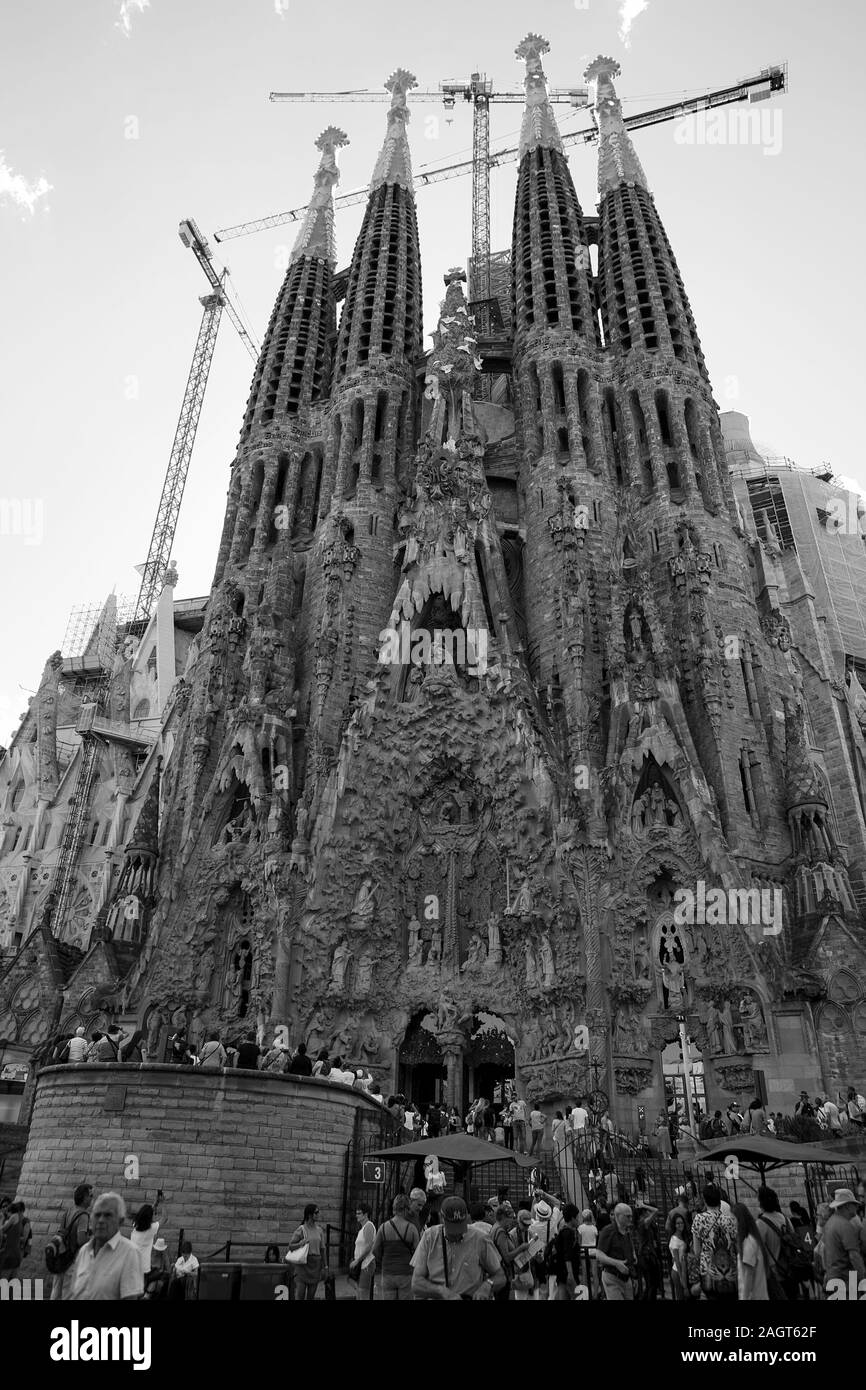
x=458, y=1148
x=764, y=1153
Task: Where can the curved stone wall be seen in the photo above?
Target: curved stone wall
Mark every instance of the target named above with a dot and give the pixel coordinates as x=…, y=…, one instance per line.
x=236, y=1153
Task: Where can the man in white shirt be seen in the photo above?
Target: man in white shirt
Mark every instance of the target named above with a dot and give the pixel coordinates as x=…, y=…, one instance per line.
x=579, y=1117
x=185, y=1272
x=828, y=1113
x=108, y=1267
x=77, y=1049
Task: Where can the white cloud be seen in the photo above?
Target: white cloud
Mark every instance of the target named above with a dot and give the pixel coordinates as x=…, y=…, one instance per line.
x=628, y=13
x=127, y=9
x=15, y=186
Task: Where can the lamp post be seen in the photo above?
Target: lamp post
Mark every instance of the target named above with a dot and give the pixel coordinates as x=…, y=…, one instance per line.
x=687, y=1071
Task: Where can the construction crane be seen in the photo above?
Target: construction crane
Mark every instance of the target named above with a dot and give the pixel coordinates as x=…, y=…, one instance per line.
x=154, y=569
x=757, y=88
x=159, y=552
x=479, y=92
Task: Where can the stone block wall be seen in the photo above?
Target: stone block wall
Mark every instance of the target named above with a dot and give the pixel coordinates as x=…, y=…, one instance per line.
x=236, y=1153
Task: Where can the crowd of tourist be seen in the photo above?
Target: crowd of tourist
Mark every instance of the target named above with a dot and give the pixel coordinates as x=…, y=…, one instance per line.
x=436, y=1246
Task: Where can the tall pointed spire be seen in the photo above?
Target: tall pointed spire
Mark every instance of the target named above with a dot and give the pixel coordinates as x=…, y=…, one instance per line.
x=316, y=235
x=617, y=160
x=394, y=164
x=539, y=126
x=382, y=312
x=292, y=368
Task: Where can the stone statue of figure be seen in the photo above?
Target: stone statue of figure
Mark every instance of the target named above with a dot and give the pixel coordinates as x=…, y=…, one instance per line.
x=434, y=955
x=364, y=898
x=261, y=1027
x=415, y=944
x=364, y=975
x=547, y=963
x=523, y=902
x=531, y=964
x=751, y=1023
x=714, y=1029
x=315, y=1031
x=494, y=944
x=154, y=1029
x=728, y=1039
x=657, y=805
x=446, y=1014
x=625, y=1041
x=673, y=979
x=641, y=959
x=476, y=954
x=636, y=628
x=674, y=814
x=339, y=966
x=639, y=813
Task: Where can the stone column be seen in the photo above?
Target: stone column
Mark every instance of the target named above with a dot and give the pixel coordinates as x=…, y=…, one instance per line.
x=452, y=1042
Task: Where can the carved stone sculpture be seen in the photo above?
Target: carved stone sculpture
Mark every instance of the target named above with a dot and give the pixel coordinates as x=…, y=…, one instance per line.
x=415, y=942
x=339, y=966
x=548, y=965
x=494, y=944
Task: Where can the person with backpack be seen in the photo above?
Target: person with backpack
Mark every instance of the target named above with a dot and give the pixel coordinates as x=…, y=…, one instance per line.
x=790, y=1261
x=108, y=1047
x=213, y=1054
x=542, y=1230
x=617, y=1257
x=566, y=1255
x=714, y=1241
x=74, y=1231
x=751, y=1257
x=76, y=1048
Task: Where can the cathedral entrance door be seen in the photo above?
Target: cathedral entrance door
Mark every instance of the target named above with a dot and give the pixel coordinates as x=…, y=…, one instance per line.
x=675, y=1080
x=421, y=1072
x=488, y=1063
x=423, y=1084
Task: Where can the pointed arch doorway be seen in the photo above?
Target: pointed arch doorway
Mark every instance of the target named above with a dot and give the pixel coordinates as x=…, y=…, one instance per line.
x=488, y=1062
x=421, y=1069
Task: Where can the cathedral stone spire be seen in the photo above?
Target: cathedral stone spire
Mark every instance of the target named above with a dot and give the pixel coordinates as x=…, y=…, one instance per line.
x=292, y=367
x=539, y=126
x=394, y=164
x=617, y=161
x=316, y=236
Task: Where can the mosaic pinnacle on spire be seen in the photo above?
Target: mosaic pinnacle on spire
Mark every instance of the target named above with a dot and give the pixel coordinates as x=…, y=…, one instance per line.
x=316, y=236
x=617, y=161
x=394, y=164
x=539, y=125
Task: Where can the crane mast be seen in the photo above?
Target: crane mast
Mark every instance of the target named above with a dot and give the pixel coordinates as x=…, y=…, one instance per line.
x=153, y=570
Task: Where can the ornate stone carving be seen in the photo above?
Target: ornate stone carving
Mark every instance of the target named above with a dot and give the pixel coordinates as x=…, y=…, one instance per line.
x=736, y=1077
x=631, y=1080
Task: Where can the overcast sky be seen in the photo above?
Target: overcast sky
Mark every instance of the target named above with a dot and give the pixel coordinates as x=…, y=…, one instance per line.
x=118, y=119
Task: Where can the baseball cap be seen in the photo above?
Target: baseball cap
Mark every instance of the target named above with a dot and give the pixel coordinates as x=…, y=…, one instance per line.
x=454, y=1212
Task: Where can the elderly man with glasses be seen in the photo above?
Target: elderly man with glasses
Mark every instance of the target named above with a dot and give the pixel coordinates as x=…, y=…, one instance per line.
x=108, y=1267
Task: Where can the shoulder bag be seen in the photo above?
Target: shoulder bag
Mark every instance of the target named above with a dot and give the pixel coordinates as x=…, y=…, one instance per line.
x=299, y=1256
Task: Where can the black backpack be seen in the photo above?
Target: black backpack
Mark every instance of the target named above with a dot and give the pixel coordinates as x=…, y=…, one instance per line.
x=796, y=1252
x=544, y=1265
x=59, y=1252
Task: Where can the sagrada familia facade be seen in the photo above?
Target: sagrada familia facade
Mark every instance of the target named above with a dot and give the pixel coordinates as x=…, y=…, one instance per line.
x=493, y=693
